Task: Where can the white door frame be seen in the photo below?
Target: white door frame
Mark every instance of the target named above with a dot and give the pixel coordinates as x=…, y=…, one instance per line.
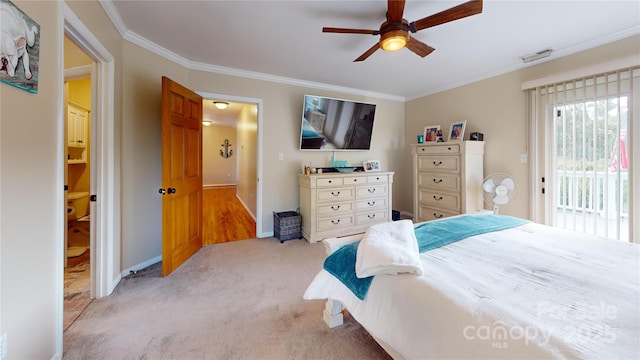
x=258, y=103
x=105, y=183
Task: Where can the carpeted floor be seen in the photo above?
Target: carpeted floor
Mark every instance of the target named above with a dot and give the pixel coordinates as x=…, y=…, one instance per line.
x=238, y=300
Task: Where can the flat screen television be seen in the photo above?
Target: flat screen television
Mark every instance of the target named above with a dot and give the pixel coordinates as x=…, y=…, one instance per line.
x=334, y=124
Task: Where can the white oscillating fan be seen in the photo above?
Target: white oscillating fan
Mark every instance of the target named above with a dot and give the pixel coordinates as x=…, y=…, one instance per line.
x=498, y=189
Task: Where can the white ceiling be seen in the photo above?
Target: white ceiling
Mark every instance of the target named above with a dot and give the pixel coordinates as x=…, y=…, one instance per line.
x=283, y=40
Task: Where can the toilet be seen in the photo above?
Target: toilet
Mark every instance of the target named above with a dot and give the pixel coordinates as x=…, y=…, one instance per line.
x=77, y=205
x=77, y=213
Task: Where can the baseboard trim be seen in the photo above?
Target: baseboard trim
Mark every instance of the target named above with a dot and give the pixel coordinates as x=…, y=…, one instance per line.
x=142, y=265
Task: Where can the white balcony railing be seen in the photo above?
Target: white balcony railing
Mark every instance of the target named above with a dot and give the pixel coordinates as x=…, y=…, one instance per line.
x=593, y=201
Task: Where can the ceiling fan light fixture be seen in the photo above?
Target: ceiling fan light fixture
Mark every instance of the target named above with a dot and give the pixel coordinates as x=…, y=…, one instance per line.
x=221, y=104
x=394, y=40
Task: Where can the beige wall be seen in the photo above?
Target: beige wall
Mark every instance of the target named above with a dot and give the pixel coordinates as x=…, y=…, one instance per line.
x=247, y=156
x=142, y=73
x=217, y=170
x=31, y=199
x=497, y=107
x=282, y=112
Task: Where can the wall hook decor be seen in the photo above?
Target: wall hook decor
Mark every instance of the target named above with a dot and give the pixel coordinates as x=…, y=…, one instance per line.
x=226, y=150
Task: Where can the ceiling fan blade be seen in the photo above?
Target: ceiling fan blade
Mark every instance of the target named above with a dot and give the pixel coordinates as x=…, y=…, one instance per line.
x=350, y=31
x=395, y=9
x=368, y=52
x=419, y=47
x=463, y=10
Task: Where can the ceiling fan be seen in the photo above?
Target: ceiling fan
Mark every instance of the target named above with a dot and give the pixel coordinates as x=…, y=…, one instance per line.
x=394, y=33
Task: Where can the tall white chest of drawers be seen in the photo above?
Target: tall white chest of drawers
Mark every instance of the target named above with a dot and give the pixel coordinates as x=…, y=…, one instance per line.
x=447, y=179
x=339, y=204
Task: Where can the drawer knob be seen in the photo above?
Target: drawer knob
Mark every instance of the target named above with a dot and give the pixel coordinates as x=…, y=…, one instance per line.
x=330, y=181
x=371, y=191
x=437, y=198
x=355, y=180
x=449, y=148
x=437, y=163
x=335, y=193
x=437, y=181
x=335, y=222
x=437, y=216
x=336, y=208
x=371, y=203
x=371, y=216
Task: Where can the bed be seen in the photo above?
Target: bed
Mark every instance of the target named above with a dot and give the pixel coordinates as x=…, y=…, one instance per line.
x=524, y=290
x=310, y=137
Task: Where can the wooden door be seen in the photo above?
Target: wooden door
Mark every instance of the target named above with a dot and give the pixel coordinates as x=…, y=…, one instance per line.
x=181, y=174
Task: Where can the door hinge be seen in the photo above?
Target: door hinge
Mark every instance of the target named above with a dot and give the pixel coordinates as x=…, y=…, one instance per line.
x=93, y=197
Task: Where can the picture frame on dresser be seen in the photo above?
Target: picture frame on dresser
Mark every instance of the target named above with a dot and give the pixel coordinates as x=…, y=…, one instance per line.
x=456, y=132
x=371, y=165
x=431, y=133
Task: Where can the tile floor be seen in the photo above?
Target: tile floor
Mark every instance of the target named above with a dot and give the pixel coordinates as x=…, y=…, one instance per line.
x=77, y=280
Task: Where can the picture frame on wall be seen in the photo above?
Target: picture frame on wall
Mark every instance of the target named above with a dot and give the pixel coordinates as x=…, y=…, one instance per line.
x=371, y=165
x=431, y=133
x=20, y=39
x=456, y=132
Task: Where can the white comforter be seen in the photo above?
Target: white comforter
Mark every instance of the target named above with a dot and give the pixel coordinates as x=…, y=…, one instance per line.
x=528, y=292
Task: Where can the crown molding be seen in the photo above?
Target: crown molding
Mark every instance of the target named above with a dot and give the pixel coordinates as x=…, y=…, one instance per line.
x=147, y=44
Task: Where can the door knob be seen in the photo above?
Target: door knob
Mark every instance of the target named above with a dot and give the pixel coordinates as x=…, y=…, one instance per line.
x=171, y=190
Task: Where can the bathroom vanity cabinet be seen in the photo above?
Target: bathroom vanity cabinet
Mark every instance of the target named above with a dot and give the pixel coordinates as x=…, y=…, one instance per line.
x=77, y=133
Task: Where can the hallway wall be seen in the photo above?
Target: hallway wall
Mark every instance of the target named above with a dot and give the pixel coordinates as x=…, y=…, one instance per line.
x=217, y=170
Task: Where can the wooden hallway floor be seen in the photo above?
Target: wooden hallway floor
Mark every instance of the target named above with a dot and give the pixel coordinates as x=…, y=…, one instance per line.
x=224, y=218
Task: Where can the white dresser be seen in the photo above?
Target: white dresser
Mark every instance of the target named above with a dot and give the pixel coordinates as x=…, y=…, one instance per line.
x=447, y=179
x=339, y=204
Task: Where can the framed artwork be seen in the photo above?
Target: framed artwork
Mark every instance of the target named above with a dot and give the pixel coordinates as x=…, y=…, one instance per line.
x=20, y=53
x=456, y=133
x=431, y=133
x=371, y=165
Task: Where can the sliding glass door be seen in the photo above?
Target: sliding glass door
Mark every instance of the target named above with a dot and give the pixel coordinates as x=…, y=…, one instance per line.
x=584, y=153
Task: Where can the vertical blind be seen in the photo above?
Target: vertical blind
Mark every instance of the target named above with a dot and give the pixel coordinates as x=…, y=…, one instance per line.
x=587, y=125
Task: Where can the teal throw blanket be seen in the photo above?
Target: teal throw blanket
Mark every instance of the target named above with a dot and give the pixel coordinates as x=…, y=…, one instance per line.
x=430, y=235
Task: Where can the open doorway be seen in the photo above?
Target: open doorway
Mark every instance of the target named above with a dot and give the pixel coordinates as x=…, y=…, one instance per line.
x=231, y=168
x=104, y=184
x=77, y=170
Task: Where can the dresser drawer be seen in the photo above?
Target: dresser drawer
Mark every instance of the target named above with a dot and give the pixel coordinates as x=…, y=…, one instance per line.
x=439, y=163
x=372, y=179
x=335, y=208
x=335, y=222
x=355, y=180
x=439, y=181
x=426, y=213
x=372, y=217
x=329, y=181
x=453, y=149
x=371, y=190
x=371, y=204
x=439, y=199
x=336, y=194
